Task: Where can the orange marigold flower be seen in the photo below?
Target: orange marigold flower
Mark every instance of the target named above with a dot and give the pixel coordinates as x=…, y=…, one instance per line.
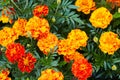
x=19, y=26
x=50, y=74
x=65, y=47
x=101, y=18
x=14, y=52
x=40, y=10
x=82, y=69
x=26, y=63
x=4, y=75
x=114, y=2
x=85, y=5
x=75, y=56
x=48, y=43
x=78, y=37
x=38, y=27
x=109, y=42
x=7, y=36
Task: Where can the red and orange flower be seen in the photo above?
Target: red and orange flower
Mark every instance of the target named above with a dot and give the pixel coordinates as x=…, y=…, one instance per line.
x=82, y=69
x=38, y=27
x=19, y=26
x=48, y=43
x=4, y=75
x=114, y=2
x=26, y=63
x=40, y=10
x=75, y=56
x=14, y=52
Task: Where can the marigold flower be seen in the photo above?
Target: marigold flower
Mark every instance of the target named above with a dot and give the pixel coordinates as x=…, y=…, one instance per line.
x=109, y=42
x=38, y=27
x=19, y=26
x=101, y=18
x=114, y=2
x=14, y=52
x=4, y=75
x=48, y=43
x=82, y=69
x=5, y=17
x=78, y=37
x=85, y=5
x=26, y=63
x=65, y=47
x=50, y=74
x=7, y=36
x=75, y=56
x=40, y=10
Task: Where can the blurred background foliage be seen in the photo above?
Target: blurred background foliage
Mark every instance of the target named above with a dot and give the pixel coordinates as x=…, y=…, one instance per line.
x=62, y=18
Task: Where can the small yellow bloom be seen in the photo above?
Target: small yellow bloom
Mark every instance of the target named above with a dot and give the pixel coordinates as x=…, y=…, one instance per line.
x=101, y=18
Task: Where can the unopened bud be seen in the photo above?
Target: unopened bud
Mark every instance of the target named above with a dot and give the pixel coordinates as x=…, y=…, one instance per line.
x=118, y=10
x=114, y=67
x=27, y=79
x=53, y=19
x=95, y=39
x=58, y=1
x=28, y=45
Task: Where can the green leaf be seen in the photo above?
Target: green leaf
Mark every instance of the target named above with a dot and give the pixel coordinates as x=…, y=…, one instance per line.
x=72, y=7
x=116, y=15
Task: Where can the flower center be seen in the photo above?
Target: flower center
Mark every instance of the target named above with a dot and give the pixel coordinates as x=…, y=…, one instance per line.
x=82, y=67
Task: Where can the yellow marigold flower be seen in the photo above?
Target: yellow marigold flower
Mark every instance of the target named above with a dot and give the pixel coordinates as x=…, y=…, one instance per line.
x=4, y=75
x=5, y=18
x=7, y=35
x=85, y=5
x=50, y=74
x=78, y=38
x=65, y=47
x=39, y=27
x=101, y=18
x=75, y=56
x=109, y=42
x=19, y=26
x=48, y=43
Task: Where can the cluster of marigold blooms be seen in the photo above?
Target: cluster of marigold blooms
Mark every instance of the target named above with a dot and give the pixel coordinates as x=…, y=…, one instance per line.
x=38, y=28
x=101, y=18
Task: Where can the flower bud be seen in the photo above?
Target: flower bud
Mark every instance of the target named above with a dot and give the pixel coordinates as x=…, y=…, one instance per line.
x=95, y=39
x=28, y=45
x=27, y=79
x=53, y=19
x=114, y=67
x=118, y=10
x=58, y=1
